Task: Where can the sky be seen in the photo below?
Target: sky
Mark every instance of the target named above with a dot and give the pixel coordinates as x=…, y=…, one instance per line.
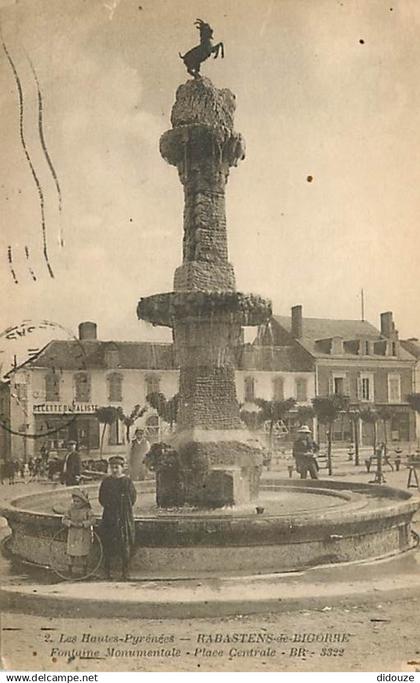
x=324, y=88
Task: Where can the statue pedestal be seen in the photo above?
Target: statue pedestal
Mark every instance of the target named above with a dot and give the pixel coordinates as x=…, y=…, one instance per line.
x=228, y=486
x=219, y=467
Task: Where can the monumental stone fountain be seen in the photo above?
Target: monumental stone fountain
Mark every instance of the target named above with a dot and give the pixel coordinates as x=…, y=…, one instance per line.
x=218, y=531
x=205, y=311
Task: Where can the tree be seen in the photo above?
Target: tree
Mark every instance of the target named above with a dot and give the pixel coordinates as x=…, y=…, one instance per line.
x=129, y=420
x=305, y=414
x=272, y=412
x=167, y=409
x=327, y=409
x=385, y=413
x=250, y=418
x=370, y=416
x=354, y=416
x=106, y=416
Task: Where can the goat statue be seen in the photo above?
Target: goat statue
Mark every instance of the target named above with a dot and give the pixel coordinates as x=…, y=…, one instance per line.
x=194, y=57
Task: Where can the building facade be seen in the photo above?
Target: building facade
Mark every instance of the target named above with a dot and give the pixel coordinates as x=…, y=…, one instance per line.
x=352, y=358
x=53, y=397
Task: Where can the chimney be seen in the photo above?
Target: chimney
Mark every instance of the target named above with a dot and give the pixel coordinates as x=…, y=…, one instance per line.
x=297, y=322
x=388, y=326
x=87, y=331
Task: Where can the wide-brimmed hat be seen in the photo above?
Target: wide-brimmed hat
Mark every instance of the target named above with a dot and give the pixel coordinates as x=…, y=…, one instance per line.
x=304, y=429
x=83, y=495
x=116, y=460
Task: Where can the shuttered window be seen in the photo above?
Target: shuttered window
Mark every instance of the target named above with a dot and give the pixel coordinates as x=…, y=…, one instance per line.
x=82, y=387
x=152, y=384
x=114, y=387
x=249, y=386
x=52, y=386
x=301, y=389
x=278, y=388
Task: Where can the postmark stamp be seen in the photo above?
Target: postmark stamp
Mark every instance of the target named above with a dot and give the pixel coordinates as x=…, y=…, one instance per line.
x=43, y=346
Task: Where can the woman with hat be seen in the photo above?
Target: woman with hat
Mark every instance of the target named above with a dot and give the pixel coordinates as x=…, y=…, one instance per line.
x=117, y=496
x=79, y=520
x=304, y=449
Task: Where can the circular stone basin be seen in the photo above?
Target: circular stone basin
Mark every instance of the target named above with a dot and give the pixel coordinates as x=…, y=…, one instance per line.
x=303, y=524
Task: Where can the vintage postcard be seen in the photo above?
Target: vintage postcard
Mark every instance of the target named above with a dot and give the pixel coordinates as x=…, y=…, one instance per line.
x=209, y=338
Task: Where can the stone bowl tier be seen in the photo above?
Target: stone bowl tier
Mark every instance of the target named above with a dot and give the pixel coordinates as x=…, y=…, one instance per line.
x=198, y=141
x=300, y=524
x=235, y=307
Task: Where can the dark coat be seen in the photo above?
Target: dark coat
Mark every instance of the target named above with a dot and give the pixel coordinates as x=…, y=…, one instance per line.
x=303, y=445
x=117, y=496
x=71, y=469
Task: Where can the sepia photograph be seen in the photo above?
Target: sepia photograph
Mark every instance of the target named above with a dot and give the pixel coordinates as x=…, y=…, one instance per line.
x=209, y=336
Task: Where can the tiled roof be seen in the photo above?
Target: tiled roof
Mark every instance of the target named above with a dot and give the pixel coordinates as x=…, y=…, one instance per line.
x=315, y=330
x=325, y=328
x=285, y=358
x=412, y=346
x=78, y=355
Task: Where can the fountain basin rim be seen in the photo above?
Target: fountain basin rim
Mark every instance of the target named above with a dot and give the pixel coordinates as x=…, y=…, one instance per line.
x=400, y=503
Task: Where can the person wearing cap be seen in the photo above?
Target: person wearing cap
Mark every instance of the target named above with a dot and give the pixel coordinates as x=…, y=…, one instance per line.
x=79, y=520
x=117, y=496
x=304, y=449
x=139, y=447
x=70, y=474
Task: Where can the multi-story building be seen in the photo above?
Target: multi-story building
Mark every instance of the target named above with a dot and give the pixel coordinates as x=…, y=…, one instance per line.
x=413, y=347
x=353, y=358
x=54, y=395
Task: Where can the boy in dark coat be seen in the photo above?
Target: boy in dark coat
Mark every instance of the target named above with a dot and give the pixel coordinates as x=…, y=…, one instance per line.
x=117, y=496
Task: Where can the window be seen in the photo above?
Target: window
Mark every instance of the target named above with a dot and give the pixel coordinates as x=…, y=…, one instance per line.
x=394, y=388
x=249, y=386
x=82, y=387
x=339, y=385
x=112, y=357
x=52, y=386
x=114, y=387
x=152, y=384
x=278, y=388
x=366, y=348
x=393, y=349
x=301, y=389
x=366, y=388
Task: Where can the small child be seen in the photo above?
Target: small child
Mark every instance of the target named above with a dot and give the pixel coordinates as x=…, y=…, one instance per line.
x=79, y=520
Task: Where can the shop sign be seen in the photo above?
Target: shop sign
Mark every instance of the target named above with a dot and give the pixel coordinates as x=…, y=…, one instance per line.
x=64, y=408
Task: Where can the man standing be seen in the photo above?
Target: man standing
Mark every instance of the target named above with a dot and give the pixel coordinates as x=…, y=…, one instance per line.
x=117, y=496
x=70, y=475
x=138, y=449
x=304, y=449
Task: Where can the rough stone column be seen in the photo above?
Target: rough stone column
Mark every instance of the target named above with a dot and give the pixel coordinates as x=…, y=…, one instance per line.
x=206, y=313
